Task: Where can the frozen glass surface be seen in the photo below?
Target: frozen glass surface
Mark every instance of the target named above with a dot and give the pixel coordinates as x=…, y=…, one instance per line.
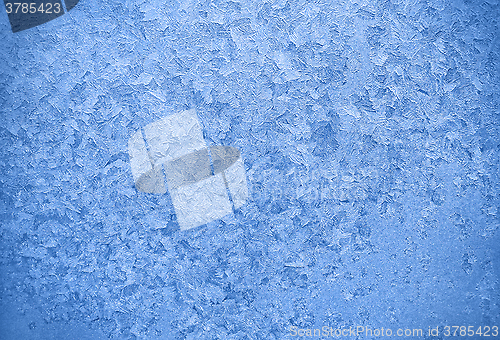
x=356, y=152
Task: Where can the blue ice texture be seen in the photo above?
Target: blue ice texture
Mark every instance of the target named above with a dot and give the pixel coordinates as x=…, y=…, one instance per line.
x=370, y=137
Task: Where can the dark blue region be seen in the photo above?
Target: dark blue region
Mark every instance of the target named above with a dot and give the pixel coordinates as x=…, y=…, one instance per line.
x=25, y=15
x=70, y=4
x=35, y=13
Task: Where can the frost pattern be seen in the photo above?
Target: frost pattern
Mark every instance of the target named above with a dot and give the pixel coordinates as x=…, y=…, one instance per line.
x=370, y=135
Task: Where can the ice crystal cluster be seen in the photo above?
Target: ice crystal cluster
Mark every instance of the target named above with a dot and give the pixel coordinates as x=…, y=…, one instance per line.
x=370, y=134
